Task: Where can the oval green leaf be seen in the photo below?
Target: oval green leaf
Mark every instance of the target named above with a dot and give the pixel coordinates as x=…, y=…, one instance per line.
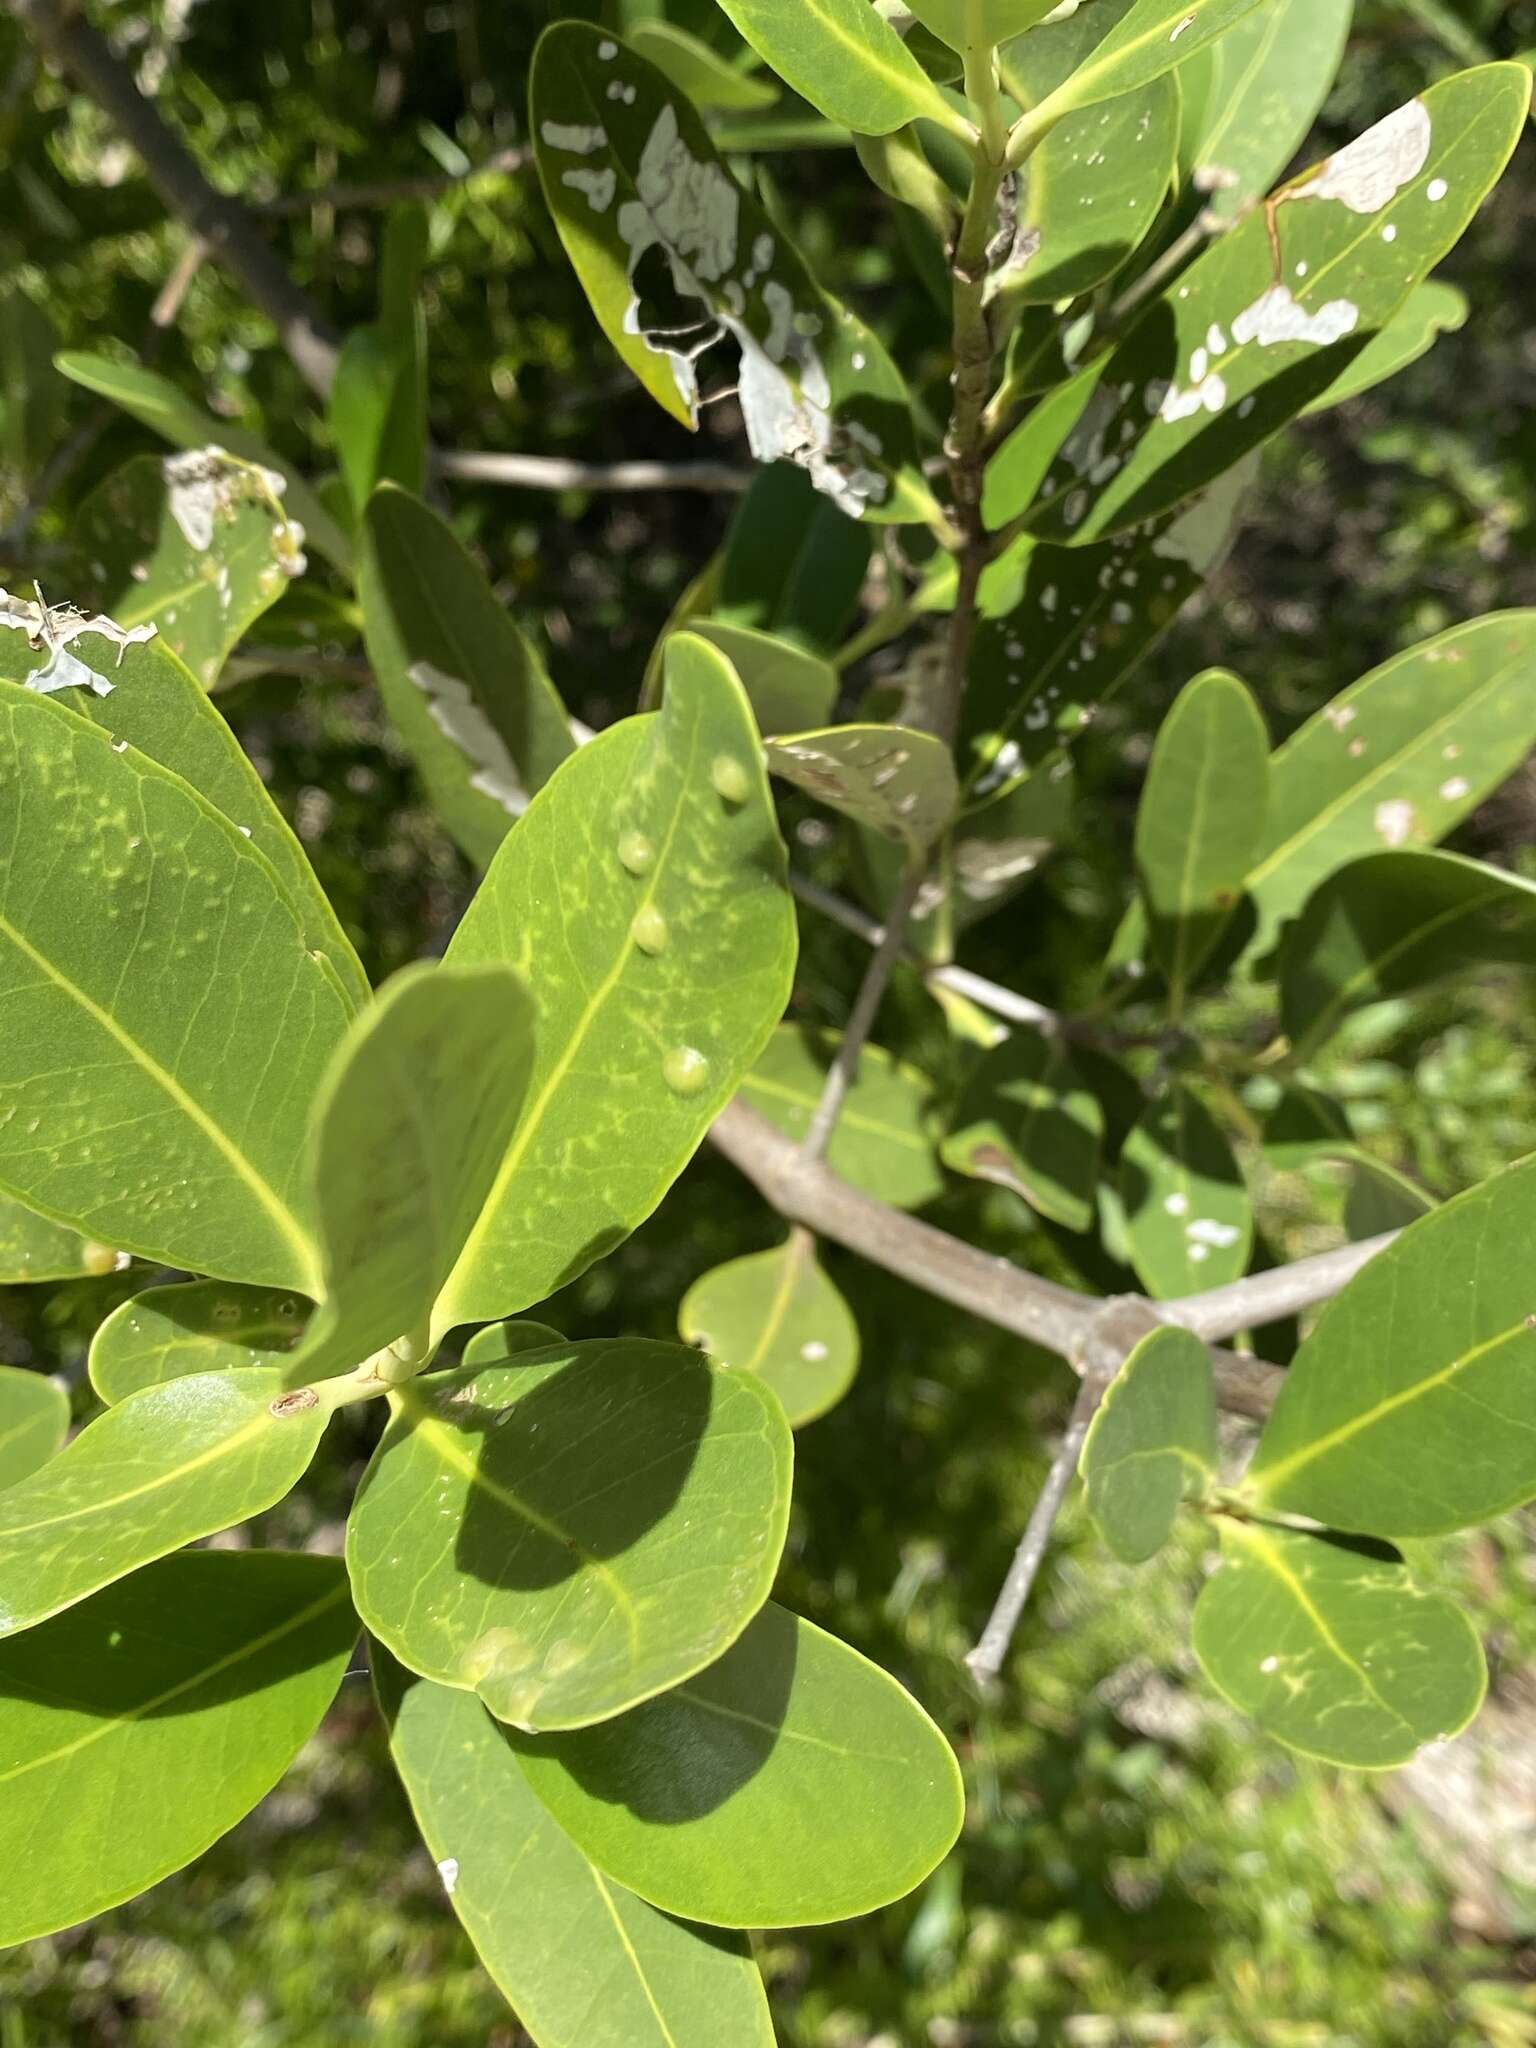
x=498, y=1342
x=1144, y=39
x=172, y=1333
x=1188, y=1219
x=33, y=1248
x=721, y=1800
x=34, y=1420
x=776, y=1314
x=1029, y=1121
x=898, y=782
x=788, y=688
x=882, y=1143
x=573, y=1531
x=206, y=1673
x=1152, y=1441
x=845, y=59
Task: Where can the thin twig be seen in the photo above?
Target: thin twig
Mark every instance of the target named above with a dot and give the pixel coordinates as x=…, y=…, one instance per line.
x=172, y=294
x=844, y=1069
x=1262, y=1298
x=1178, y=252
x=366, y=196
x=558, y=473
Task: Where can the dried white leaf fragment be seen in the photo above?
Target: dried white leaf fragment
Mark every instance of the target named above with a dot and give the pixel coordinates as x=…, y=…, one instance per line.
x=1375, y=167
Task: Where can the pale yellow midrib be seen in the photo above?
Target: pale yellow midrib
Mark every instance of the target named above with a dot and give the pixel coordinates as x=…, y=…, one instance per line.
x=629, y=1949
x=100, y=1507
x=1258, y=1547
x=778, y=1307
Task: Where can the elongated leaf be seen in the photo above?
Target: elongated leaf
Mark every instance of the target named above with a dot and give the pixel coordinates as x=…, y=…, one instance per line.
x=1408, y=1410
x=1028, y=1121
x=1146, y=39
x=498, y=1342
x=1393, y=922
x=894, y=780
x=1249, y=338
x=1188, y=1219
x=1430, y=310
x=1380, y=1199
x=1397, y=759
x=172, y=1333
x=695, y=69
x=468, y=694
x=155, y=402
x=369, y=373
x=1200, y=823
x=845, y=59
x=1333, y=1650
x=676, y=258
x=617, y=1515
x=167, y=1466
x=793, y=564
x=110, y=953
x=578, y=1957
x=777, y=1314
x=719, y=1799
x=1095, y=186
x=1152, y=1441
x=34, y=1418
x=32, y=394
x=1250, y=97
x=644, y=893
x=788, y=688
x=413, y=1121
x=207, y=1673
x=881, y=1143
x=157, y=707
x=32, y=1248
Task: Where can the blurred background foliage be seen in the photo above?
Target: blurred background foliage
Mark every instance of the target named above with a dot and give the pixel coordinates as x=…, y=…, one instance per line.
x=1136, y=1870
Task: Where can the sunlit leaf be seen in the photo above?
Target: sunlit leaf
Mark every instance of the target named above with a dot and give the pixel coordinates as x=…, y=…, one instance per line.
x=979, y=24
x=170, y=1333
x=34, y=1418
x=844, y=58
x=1136, y=41
x=1189, y=1222
x=881, y=1142
x=897, y=781
x=1152, y=1441
x=695, y=69
x=1028, y=1121
x=1430, y=310
x=788, y=688
x=498, y=1342
x=33, y=1248
x=777, y=1314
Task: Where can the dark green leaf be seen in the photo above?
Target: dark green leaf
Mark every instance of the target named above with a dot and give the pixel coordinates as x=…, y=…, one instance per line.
x=1430, y=310
x=1029, y=1122
x=793, y=563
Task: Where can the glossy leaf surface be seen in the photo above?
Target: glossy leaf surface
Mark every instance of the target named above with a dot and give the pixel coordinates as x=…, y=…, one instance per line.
x=169, y=1465
x=788, y=688
x=1333, y=1650
x=171, y=1333
x=1144, y=39
x=697, y=70
x=573, y=1531
x=896, y=781
x=498, y=1342
x=205, y=1673
x=844, y=58
x=643, y=893
x=1407, y=1412
x=792, y=563
x=881, y=1143
x=34, y=1418
x=1430, y=310
x=466, y=692
x=1189, y=1221
x=1030, y=1122
x=720, y=1799
x=107, y=953
x=579, y=1958
x=1152, y=1441
x=1250, y=97
x=777, y=1314
x=32, y=1248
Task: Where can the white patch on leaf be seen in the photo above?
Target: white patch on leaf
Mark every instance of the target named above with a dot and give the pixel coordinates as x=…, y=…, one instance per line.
x=1370, y=171
x=596, y=187
x=1277, y=316
x=1394, y=821
x=56, y=627
x=576, y=137
x=461, y=721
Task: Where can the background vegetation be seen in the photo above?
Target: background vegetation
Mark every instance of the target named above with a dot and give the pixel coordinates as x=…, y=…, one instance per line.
x=1135, y=1871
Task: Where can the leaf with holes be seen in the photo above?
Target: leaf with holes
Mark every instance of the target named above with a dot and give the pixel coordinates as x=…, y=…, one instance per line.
x=468, y=695
x=1151, y=1442
x=896, y=781
x=777, y=1314
x=1188, y=1219
x=577, y=1957
x=845, y=59
x=573, y=1531
x=172, y=1333
x=1028, y=1121
x=165, y=1467
x=643, y=893
x=207, y=1674
x=719, y=1799
x=126, y=899
x=882, y=1142
x=1333, y=1650
x=1408, y=1410
x=676, y=259
x=1200, y=822
x=34, y=1420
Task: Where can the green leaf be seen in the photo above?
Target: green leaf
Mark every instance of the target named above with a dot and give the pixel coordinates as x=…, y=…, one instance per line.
x=777, y=1314
x=196, y=544
x=644, y=894
x=793, y=564
x=1248, y=338
x=1430, y=310
x=1095, y=186
x=617, y=1511
x=1380, y=1199
x=675, y=257
x=1392, y=922
x=411, y=1126
x=695, y=69
x=721, y=1800
x=1407, y=1412
x=845, y=59
x=579, y=1958
x=172, y=1333
x=881, y=1143
x=111, y=950
x=1304, y=1124
x=1333, y=1650
x=469, y=696
x=1397, y=759
x=980, y=24
x=893, y=779
x=1152, y=1441
x=165, y=1467
x=34, y=1420
x=1188, y=1218
x=156, y=1716
x=156, y=706
x=31, y=393
x=1146, y=39
x=155, y=402
x=33, y=1248
x=369, y=374
x=787, y=687
x=1200, y=822
x=1029, y=1121
x=498, y=1342
x=1250, y=98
